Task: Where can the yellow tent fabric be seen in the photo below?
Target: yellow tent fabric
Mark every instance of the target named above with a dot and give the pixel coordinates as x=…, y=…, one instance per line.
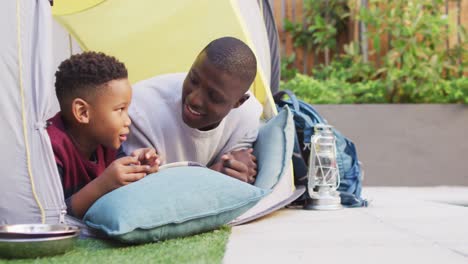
x=64, y=7
x=157, y=37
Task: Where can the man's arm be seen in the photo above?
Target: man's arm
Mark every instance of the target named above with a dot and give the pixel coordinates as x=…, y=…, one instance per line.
x=237, y=159
x=239, y=164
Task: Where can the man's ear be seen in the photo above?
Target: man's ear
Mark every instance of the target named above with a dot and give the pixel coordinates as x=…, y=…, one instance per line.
x=242, y=100
x=80, y=110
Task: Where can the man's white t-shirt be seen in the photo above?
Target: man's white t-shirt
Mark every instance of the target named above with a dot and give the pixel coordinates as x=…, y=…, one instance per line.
x=156, y=114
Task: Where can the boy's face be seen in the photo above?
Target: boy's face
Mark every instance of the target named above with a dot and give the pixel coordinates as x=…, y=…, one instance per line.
x=109, y=123
x=209, y=94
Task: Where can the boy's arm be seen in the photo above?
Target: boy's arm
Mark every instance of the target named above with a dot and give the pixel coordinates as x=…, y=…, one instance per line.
x=121, y=172
x=80, y=202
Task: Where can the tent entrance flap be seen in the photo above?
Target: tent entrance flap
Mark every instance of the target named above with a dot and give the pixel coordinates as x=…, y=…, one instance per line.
x=31, y=190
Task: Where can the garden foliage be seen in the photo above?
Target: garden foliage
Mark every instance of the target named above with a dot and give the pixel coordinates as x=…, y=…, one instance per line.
x=416, y=67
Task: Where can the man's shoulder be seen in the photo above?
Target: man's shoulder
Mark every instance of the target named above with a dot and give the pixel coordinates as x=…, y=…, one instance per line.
x=249, y=112
x=250, y=107
x=158, y=89
x=160, y=82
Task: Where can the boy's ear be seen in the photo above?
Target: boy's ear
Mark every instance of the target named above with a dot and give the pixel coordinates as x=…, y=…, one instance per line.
x=242, y=100
x=80, y=110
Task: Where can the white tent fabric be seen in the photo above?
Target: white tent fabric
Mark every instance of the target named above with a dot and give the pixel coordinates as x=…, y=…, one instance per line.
x=253, y=20
x=31, y=190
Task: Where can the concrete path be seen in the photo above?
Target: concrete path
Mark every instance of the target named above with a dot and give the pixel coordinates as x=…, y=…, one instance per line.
x=402, y=225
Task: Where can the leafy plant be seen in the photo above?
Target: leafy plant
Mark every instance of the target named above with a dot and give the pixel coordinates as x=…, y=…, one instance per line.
x=287, y=68
x=323, y=20
x=458, y=55
x=339, y=91
x=417, y=31
x=335, y=91
x=349, y=69
x=416, y=68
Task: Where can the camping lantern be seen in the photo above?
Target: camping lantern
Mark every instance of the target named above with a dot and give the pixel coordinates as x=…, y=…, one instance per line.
x=323, y=173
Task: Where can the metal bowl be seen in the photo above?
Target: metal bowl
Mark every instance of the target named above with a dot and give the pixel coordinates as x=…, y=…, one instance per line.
x=31, y=241
x=36, y=231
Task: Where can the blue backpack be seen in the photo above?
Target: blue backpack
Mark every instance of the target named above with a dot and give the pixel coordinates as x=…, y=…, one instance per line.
x=305, y=118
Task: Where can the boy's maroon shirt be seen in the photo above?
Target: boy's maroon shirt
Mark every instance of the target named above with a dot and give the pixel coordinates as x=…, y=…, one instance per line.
x=77, y=171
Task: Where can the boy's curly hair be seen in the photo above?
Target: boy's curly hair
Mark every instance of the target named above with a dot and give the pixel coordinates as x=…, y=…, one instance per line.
x=82, y=74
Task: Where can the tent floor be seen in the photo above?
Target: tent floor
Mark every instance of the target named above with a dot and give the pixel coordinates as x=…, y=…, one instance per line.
x=401, y=225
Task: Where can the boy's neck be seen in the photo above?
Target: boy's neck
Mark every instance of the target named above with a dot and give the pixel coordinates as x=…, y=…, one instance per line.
x=81, y=142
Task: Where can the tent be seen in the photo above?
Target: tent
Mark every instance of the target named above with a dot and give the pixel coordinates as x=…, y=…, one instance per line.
x=141, y=33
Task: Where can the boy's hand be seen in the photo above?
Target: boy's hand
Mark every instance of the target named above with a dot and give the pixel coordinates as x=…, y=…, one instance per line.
x=122, y=172
x=147, y=156
x=240, y=164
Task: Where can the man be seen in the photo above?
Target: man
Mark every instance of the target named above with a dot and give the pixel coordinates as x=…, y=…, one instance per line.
x=206, y=115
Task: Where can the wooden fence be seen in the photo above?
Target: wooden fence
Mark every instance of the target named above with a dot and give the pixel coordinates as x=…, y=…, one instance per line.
x=293, y=10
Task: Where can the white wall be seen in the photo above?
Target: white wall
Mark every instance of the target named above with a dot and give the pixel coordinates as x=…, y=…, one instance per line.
x=406, y=144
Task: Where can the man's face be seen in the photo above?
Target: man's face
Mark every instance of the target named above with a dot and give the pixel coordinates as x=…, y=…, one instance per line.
x=109, y=121
x=209, y=94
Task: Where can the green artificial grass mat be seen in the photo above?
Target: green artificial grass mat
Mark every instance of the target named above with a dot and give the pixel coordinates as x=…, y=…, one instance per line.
x=203, y=248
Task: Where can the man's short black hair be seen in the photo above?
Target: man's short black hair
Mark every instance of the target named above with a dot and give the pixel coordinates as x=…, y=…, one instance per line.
x=82, y=74
x=233, y=56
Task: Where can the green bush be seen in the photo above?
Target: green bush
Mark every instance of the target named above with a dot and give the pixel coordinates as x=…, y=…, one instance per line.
x=287, y=68
x=339, y=91
x=416, y=67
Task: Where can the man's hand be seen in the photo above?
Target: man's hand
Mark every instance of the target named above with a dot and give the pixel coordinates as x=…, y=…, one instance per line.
x=245, y=156
x=147, y=156
x=240, y=164
x=122, y=172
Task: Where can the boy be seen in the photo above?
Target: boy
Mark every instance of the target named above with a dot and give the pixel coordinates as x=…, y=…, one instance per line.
x=205, y=115
x=94, y=95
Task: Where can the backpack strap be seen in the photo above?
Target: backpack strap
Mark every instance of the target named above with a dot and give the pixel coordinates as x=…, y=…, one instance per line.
x=278, y=97
x=305, y=116
x=310, y=110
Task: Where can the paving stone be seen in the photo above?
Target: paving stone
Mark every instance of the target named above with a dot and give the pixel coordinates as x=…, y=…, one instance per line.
x=402, y=225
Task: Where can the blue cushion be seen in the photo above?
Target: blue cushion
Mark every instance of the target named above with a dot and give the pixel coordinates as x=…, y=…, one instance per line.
x=172, y=203
x=274, y=148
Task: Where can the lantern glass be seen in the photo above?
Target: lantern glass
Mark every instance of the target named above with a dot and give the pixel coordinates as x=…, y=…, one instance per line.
x=323, y=170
